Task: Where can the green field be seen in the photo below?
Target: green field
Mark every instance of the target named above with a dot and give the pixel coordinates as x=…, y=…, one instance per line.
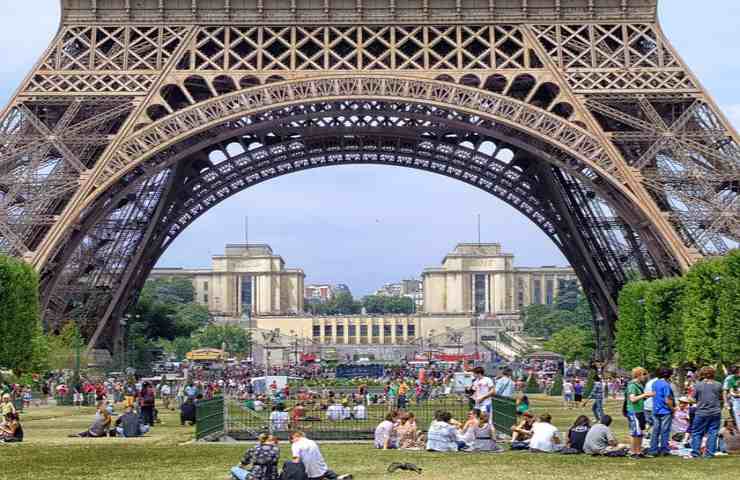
x=168, y=453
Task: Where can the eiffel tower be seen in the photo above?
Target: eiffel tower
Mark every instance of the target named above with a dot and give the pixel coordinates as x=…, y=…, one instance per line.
x=143, y=114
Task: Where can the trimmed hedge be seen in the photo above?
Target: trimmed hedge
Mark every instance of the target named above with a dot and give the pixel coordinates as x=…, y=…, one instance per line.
x=19, y=313
x=683, y=320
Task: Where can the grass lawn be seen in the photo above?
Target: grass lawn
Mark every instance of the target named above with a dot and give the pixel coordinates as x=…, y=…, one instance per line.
x=168, y=453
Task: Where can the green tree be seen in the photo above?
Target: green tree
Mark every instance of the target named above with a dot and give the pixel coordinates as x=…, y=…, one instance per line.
x=381, y=305
x=532, y=385
x=19, y=314
x=178, y=348
x=664, y=331
x=573, y=343
x=237, y=339
x=728, y=332
x=701, y=311
x=169, y=290
x=630, y=336
x=557, y=386
x=189, y=318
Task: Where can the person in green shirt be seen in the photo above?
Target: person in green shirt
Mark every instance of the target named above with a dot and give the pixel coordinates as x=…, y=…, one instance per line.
x=635, y=396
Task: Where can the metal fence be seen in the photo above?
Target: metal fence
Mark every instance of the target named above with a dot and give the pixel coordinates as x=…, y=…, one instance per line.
x=351, y=421
x=209, y=418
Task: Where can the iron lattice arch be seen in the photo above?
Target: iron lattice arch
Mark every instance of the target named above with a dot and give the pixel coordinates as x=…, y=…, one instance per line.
x=141, y=116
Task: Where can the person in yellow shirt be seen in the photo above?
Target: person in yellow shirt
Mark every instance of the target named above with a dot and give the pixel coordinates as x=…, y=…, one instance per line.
x=6, y=406
x=402, y=392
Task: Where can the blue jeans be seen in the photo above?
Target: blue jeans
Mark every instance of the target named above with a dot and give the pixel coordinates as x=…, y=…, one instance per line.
x=661, y=433
x=240, y=473
x=702, y=425
x=598, y=409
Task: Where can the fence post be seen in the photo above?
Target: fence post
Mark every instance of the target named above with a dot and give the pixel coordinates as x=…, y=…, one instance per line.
x=209, y=417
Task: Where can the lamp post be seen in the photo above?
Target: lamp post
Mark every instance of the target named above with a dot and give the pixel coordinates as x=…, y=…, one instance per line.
x=78, y=348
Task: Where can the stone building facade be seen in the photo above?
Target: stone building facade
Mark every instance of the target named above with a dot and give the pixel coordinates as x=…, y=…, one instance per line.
x=245, y=280
x=474, y=296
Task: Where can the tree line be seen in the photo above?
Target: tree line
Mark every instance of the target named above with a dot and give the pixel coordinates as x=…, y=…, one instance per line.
x=690, y=320
x=344, y=304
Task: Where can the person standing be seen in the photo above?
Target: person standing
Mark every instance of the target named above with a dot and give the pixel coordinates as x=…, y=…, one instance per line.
x=505, y=385
x=663, y=407
x=146, y=404
x=165, y=391
x=568, y=393
x=708, y=416
x=597, y=395
x=483, y=391
x=635, y=396
x=731, y=387
x=649, y=404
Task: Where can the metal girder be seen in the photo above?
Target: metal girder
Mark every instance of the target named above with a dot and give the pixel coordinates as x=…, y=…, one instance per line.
x=615, y=143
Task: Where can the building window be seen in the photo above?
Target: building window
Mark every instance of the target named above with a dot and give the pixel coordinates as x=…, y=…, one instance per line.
x=327, y=330
x=363, y=330
x=549, y=291
x=340, y=330
x=479, y=293
x=205, y=285
x=536, y=291
x=399, y=330
x=376, y=330
x=316, y=331
x=247, y=293
x=205, y=298
x=387, y=330
x=411, y=330
x=352, y=330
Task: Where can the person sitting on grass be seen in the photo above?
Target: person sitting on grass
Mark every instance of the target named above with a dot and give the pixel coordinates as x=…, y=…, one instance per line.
x=386, y=436
x=307, y=452
x=600, y=440
x=359, y=412
x=522, y=404
x=11, y=430
x=279, y=418
x=577, y=434
x=522, y=432
x=187, y=411
x=129, y=425
x=484, y=436
x=545, y=436
x=259, y=462
x=409, y=436
x=100, y=426
x=467, y=430
x=729, y=438
x=335, y=412
x=442, y=435
x=6, y=405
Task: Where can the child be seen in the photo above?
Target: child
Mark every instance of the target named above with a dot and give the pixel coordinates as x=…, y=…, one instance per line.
x=263, y=458
x=522, y=404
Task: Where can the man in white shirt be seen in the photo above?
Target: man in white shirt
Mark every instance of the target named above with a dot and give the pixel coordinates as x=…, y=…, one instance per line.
x=359, y=412
x=545, y=436
x=649, y=419
x=483, y=390
x=335, y=412
x=568, y=391
x=165, y=392
x=307, y=452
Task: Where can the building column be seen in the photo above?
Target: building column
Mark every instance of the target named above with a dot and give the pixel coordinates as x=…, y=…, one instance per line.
x=346, y=331
x=405, y=324
x=393, y=330
x=381, y=325
x=322, y=323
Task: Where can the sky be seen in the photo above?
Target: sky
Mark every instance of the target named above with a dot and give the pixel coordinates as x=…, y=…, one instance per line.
x=369, y=225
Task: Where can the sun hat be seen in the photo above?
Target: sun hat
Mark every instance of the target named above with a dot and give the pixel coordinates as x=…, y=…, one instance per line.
x=686, y=399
